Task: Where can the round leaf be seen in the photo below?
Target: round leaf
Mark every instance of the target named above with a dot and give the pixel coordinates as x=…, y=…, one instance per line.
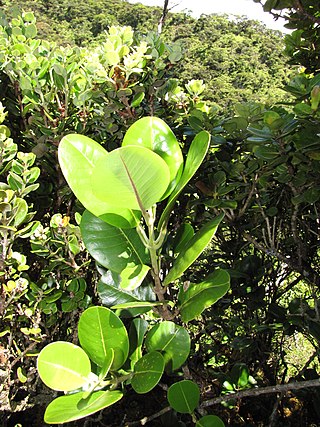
x=130, y=174
x=210, y=421
x=63, y=366
x=73, y=407
x=171, y=339
x=184, y=396
x=78, y=156
x=147, y=372
x=99, y=329
x=155, y=134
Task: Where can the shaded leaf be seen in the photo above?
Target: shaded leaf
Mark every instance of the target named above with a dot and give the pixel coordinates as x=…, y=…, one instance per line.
x=184, y=396
x=147, y=372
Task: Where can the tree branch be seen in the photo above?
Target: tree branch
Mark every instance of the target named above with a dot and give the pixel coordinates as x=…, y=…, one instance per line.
x=280, y=388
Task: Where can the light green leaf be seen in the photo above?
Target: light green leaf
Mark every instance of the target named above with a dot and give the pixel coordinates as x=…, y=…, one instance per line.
x=78, y=156
x=107, y=363
x=155, y=134
x=132, y=277
x=193, y=249
x=135, y=304
x=197, y=151
x=130, y=174
x=20, y=211
x=198, y=297
x=171, y=339
x=63, y=366
x=184, y=396
x=210, y=421
x=147, y=372
x=99, y=329
x=112, y=247
x=73, y=407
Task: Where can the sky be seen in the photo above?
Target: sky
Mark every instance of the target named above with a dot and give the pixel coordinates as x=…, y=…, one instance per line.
x=232, y=7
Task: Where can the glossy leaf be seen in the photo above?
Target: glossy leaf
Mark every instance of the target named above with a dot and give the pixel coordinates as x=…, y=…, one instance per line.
x=155, y=134
x=193, y=249
x=198, y=297
x=110, y=246
x=197, y=151
x=138, y=328
x=111, y=293
x=210, y=421
x=78, y=156
x=147, y=372
x=183, y=236
x=132, y=277
x=130, y=174
x=184, y=396
x=171, y=339
x=73, y=407
x=63, y=366
x=108, y=361
x=99, y=329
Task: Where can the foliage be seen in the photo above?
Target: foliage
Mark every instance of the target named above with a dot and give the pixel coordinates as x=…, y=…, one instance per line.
x=238, y=59
x=256, y=163
x=302, y=45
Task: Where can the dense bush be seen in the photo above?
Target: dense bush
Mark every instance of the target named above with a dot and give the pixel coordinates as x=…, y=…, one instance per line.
x=261, y=171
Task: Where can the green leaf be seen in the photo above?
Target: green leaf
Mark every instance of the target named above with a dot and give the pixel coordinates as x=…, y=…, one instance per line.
x=198, y=297
x=155, y=134
x=100, y=329
x=111, y=293
x=184, y=396
x=132, y=277
x=20, y=211
x=130, y=174
x=193, y=249
x=147, y=372
x=197, y=151
x=78, y=156
x=138, y=328
x=210, y=421
x=112, y=247
x=171, y=339
x=266, y=152
x=73, y=407
x=183, y=236
x=135, y=304
x=63, y=366
x=107, y=363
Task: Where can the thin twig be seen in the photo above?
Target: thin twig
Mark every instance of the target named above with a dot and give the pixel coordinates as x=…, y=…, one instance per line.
x=280, y=388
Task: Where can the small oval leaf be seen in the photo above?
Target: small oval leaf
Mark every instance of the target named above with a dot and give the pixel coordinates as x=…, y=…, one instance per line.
x=63, y=366
x=99, y=329
x=171, y=339
x=184, y=396
x=147, y=372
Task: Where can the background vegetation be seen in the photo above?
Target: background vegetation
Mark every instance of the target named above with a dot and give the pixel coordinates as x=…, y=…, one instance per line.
x=61, y=74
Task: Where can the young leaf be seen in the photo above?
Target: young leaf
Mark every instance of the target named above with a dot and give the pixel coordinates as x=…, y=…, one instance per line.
x=197, y=151
x=130, y=174
x=105, y=368
x=147, y=372
x=210, y=421
x=193, y=249
x=155, y=134
x=171, y=339
x=73, y=407
x=99, y=329
x=184, y=396
x=198, y=297
x=63, y=366
x=78, y=156
x=132, y=277
x=112, y=247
